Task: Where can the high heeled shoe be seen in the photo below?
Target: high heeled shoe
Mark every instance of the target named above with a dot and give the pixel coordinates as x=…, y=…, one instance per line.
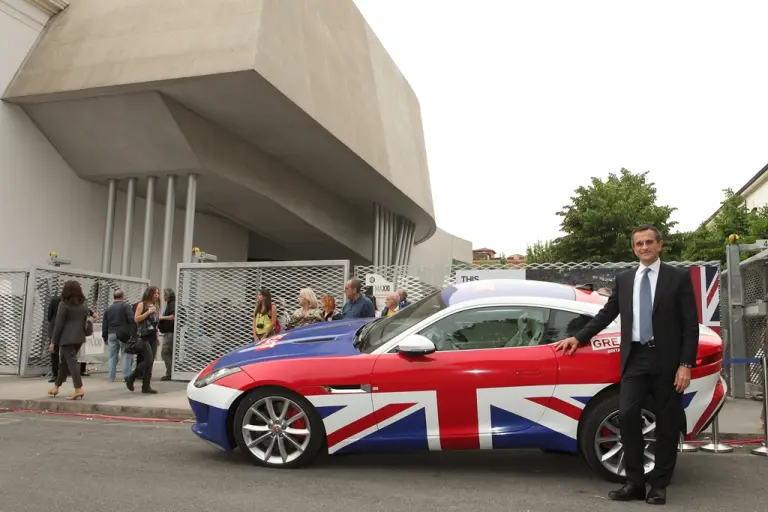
x=79, y=393
x=53, y=391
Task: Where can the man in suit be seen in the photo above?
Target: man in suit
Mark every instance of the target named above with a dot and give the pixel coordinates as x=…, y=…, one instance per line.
x=659, y=340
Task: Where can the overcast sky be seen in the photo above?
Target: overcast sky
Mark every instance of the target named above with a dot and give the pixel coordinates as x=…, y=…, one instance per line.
x=522, y=102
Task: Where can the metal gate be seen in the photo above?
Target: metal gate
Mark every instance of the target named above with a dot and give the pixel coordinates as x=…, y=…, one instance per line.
x=215, y=303
x=44, y=283
x=13, y=288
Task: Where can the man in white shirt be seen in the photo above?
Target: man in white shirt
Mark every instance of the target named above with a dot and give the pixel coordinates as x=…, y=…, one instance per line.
x=659, y=340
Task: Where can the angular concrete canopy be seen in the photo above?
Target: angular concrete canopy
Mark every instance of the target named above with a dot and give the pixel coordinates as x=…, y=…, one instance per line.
x=292, y=112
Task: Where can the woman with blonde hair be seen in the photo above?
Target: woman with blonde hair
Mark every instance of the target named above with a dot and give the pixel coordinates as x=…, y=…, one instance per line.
x=308, y=313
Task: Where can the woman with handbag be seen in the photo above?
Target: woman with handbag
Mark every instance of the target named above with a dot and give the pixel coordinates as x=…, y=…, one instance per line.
x=71, y=326
x=147, y=318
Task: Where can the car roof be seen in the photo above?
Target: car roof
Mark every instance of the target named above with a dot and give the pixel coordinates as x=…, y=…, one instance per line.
x=490, y=288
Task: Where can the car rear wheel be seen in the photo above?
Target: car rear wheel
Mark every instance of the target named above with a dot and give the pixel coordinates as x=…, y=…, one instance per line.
x=278, y=428
x=600, y=439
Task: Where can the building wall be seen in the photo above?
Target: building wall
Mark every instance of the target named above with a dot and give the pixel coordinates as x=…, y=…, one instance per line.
x=44, y=206
x=757, y=196
x=441, y=249
x=322, y=56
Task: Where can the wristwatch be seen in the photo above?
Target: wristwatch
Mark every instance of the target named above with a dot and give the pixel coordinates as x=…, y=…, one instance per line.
x=685, y=365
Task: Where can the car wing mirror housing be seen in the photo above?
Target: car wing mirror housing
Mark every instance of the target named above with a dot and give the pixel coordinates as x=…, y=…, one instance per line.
x=416, y=345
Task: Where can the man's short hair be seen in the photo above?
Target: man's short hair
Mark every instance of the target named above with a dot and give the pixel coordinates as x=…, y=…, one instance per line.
x=647, y=227
x=356, y=284
x=118, y=294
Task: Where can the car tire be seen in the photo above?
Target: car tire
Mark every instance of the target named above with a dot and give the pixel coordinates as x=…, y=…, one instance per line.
x=591, y=427
x=285, y=439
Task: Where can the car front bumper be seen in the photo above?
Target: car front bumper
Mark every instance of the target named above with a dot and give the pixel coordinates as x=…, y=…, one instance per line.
x=210, y=406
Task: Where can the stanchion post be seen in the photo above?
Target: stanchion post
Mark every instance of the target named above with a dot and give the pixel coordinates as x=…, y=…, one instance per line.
x=684, y=447
x=763, y=450
x=716, y=446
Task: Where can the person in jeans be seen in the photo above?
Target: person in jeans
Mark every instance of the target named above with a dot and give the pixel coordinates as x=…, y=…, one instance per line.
x=167, y=322
x=146, y=318
x=116, y=327
x=69, y=332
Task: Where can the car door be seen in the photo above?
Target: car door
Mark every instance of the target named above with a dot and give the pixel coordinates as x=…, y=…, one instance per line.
x=489, y=379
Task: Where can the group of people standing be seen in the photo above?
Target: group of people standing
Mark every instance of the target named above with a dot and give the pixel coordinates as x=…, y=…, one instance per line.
x=359, y=304
x=127, y=330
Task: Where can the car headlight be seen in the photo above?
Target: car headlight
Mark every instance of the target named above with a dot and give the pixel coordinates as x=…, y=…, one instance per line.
x=214, y=376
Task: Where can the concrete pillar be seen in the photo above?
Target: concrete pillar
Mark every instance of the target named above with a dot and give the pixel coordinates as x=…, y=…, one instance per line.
x=130, y=205
x=149, y=224
x=109, y=228
x=189, y=219
x=170, y=209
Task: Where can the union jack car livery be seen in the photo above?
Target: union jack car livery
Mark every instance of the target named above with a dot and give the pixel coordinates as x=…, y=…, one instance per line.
x=469, y=367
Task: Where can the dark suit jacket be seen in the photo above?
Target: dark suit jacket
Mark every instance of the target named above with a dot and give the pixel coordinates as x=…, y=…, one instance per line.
x=70, y=325
x=675, y=318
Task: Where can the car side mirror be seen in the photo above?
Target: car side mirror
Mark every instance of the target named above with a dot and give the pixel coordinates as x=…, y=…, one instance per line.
x=416, y=345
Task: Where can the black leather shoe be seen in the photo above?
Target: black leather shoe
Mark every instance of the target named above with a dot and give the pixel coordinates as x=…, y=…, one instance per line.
x=149, y=391
x=657, y=496
x=629, y=492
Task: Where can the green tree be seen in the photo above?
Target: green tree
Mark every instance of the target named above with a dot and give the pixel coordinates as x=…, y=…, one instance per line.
x=707, y=243
x=599, y=222
x=541, y=252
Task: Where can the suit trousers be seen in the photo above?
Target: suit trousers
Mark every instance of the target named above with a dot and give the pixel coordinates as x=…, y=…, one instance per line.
x=643, y=379
x=69, y=362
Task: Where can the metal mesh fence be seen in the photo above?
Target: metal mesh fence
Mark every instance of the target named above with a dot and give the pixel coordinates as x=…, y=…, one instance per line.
x=599, y=275
x=417, y=281
x=421, y=281
x=13, y=284
x=753, y=274
x=47, y=282
x=215, y=304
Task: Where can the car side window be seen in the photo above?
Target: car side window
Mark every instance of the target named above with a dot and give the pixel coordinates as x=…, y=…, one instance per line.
x=564, y=324
x=489, y=327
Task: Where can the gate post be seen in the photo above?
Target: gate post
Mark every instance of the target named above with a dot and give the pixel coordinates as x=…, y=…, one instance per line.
x=736, y=328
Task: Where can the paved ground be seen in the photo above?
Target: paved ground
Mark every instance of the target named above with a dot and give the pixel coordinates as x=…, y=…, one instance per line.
x=101, y=396
x=64, y=464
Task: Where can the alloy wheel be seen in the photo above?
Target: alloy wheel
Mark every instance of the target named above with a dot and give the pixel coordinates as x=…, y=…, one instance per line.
x=610, y=449
x=276, y=430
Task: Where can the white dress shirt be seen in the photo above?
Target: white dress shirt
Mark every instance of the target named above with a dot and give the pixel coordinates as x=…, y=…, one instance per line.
x=653, y=277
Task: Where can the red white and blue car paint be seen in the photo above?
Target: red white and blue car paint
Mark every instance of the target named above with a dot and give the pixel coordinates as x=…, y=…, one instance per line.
x=392, y=384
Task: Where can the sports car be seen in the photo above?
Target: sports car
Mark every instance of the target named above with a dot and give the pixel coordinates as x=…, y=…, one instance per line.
x=469, y=367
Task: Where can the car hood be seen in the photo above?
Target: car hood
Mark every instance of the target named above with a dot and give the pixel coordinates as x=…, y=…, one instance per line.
x=317, y=340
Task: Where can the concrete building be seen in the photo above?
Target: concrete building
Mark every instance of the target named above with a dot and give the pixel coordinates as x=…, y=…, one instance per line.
x=134, y=130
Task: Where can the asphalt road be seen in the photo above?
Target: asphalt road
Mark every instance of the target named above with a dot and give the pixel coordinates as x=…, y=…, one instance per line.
x=58, y=464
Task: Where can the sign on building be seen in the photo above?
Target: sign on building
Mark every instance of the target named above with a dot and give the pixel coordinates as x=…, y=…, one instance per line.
x=466, y=276
x=381, y=288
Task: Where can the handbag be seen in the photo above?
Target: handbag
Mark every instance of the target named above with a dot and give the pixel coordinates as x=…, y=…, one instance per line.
x=132, y=346
x=88, y=326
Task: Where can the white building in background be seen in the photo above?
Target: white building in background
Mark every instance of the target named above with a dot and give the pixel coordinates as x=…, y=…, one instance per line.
x=754, y=192
x=274, y=130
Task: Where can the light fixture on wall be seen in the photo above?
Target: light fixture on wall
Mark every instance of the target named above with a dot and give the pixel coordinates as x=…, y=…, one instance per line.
x=56, y=261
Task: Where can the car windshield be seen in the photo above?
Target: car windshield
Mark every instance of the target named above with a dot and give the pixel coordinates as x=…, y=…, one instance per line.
x=379, y=332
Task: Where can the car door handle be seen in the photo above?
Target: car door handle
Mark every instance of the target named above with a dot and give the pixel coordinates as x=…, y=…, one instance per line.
x=527, y=372
x=347, y=389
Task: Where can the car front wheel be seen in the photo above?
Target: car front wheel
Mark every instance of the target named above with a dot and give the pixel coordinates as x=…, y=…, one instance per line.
x=278, y=428
x=601, y=443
